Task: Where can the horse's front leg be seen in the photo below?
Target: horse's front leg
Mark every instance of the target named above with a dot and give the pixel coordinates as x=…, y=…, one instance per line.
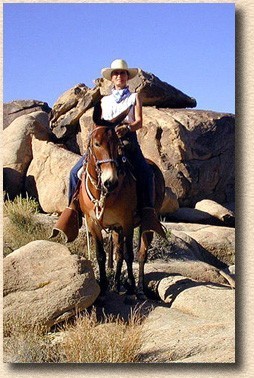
x=129, y=257
x=118, y=253
x=101, y=259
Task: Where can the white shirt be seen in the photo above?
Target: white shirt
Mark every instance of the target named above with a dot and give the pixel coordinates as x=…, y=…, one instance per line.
x=111, y=109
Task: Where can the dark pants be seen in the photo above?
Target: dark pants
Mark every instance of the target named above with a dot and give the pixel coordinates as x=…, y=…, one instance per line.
x=143, y=171
x=74, y=177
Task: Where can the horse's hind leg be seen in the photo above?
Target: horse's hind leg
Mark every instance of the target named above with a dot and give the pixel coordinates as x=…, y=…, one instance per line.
x=145, y=241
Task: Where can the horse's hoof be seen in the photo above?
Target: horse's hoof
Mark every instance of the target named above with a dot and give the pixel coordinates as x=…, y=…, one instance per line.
x=130, y=299
x=100, y=301
x=141, y=296
x=118, y=289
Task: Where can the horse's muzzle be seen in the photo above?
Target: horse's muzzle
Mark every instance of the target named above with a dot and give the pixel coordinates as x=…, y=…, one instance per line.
x=110, y=185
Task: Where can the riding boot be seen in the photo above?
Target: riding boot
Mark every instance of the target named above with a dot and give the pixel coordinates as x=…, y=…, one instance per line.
x=67, y=224
x=70, y=220
x=149, y=218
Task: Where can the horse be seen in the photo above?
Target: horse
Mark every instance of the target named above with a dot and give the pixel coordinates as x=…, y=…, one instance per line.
x=109, y=201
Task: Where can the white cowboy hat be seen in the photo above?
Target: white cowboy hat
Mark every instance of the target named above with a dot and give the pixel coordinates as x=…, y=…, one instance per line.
x=119, y=64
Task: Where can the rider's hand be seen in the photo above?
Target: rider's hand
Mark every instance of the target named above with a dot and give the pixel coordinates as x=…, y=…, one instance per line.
x=121, y=130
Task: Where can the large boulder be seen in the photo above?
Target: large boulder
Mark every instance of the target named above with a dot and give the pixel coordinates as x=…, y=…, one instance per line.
x=44, y=284
x=15, y=109
x=47, y=177
x=214, y=245
x=65, y=114
x=216, y=241
x=218, y=211
x=194, y=150
x=17, y=148
x=199, y=327
x=154, y=92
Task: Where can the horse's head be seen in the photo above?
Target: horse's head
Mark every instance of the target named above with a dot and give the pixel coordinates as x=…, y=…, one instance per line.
x=103, y=148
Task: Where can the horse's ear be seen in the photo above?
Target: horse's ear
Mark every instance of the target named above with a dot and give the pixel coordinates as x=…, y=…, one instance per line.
x=97, y=113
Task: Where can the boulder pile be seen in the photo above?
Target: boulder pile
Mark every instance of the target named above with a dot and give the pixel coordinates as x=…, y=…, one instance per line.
x=193, y=148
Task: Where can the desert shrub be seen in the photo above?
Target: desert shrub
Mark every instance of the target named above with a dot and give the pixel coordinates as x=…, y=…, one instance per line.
x=111, y=340
x=20, y=210
x=20, y=223
x=86, y=340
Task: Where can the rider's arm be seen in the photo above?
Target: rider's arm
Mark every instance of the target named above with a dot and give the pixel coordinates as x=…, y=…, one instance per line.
x=137, y=124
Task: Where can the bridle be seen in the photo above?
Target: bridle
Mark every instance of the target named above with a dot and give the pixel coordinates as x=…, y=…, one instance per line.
x=99, y=204
x=103, y=161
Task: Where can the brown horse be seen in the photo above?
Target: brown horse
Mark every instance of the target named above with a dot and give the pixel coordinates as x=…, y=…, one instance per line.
x=108, y=199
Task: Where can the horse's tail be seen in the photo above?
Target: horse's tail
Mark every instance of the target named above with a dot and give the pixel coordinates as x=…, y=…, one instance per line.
x=159, y=185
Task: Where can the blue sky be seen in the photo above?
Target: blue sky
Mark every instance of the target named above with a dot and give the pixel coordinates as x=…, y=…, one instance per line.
x=49, y=48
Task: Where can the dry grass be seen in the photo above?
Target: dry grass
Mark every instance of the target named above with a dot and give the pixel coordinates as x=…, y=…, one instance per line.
x=87, y=340
x=23, y=225
x=20, y=225
x=111, y=340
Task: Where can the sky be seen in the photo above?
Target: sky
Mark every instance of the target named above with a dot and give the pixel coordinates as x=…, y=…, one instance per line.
x=49, y=48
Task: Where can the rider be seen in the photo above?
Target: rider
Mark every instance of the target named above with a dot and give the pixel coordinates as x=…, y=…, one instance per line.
x=111, y=106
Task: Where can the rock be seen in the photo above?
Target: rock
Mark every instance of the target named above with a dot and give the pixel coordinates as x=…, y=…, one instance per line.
x=65, y=114
x=213, y=244
x=194, y=150
x=216, y=210
x=86, y=124
x=73, y=103
x=67, y=101
x=154, y=92
x=170, y=203
x=15, y=109
x=199, y=327
x=48, y=174
x=210, y=244
x=217, y=241
x=192, y=328
x=195, y=270
x=44, y=284
x=188, y=215
x=17, y=148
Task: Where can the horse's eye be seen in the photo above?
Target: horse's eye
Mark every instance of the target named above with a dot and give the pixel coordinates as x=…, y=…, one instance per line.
x=97, y=144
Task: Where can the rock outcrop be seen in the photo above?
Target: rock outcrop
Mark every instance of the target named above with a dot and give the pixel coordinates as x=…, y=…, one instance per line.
x=153, y=91
x=198, y=327
x=15, y=109
x=44, y=284
x=73, y=103
x=47, y=177
x=65, y=114
x=17, y=148
x=193, y=148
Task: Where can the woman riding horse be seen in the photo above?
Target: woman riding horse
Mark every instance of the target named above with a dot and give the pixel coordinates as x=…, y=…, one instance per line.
x=106, y=193
x=111, y=106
